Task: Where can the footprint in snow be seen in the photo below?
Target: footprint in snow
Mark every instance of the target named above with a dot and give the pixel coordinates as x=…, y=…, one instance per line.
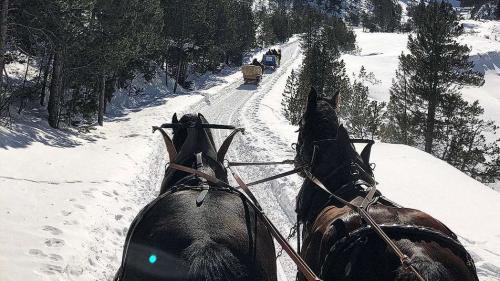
x=105, y=193
x=52, y=230
x=55, y=257
x=37, y=253
x=80, y=206
x=65, y=213
x=72, y=222
x=54, y=242
x=51, y=269
x=88, y=193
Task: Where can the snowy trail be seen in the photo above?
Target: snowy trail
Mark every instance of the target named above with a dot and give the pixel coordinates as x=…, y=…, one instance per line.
x=239, y=104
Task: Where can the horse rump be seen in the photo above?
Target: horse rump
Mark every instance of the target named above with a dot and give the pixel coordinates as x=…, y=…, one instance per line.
x=210, y=261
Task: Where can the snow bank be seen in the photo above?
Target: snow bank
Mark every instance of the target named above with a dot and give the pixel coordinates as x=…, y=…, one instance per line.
x=67, y=199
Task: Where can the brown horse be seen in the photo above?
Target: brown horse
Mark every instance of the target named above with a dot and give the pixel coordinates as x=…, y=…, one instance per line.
x=338, y=244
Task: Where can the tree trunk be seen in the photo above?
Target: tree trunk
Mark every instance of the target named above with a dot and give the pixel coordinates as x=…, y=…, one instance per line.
x=100, y=117
x=55, y=89
x=46, y=71
x=3, y=37
x=24, y=95
x=430, y=122
x=166, y=72
x=179, y=67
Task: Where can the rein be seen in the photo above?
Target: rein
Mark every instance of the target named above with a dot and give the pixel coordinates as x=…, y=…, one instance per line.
x=404, y=259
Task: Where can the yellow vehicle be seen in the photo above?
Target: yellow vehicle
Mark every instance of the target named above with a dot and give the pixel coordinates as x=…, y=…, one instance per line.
x=251, y=73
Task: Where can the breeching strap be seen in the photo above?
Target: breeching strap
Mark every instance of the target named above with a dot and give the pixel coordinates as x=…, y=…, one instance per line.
x=404, y=259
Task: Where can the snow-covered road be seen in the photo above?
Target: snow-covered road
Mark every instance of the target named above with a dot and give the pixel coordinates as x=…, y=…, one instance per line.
x=242, y=105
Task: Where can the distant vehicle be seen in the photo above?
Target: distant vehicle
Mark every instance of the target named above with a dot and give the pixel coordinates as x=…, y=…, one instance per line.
x=270, y=61
x=251, y=73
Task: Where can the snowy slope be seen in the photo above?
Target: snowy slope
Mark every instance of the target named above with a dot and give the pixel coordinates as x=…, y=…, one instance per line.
x=380, y=51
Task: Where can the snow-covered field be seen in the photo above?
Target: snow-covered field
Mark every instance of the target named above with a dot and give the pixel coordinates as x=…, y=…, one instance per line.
x=67, y=200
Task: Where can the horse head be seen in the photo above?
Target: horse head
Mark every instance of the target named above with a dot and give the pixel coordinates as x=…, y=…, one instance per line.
x=324, y=144
x=189, y=139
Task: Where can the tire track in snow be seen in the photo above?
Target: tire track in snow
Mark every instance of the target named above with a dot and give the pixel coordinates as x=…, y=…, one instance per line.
x=239, y=105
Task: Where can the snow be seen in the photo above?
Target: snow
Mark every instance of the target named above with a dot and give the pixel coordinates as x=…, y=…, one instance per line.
x=68, y=199
x=418, y=180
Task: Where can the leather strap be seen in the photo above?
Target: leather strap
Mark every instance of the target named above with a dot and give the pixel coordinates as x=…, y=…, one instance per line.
x=172, y=152
x=244, y=187
x=288, y=173
x=297, y=259
x=221, y=154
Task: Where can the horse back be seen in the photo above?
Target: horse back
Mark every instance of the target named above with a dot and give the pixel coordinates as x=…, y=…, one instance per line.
x=224, y=225
x=336, y=224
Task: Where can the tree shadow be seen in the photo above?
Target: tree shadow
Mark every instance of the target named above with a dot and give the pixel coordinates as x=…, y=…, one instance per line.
x=486, y=61
x=28, y=129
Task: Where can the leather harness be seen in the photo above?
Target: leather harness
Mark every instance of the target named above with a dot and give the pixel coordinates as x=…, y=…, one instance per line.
x=371, y=227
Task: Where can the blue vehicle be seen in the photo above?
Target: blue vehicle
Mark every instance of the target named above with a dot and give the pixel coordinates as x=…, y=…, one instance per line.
x=270, y=61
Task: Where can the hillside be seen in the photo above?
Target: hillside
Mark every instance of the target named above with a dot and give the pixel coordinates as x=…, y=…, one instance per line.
x=380, y=51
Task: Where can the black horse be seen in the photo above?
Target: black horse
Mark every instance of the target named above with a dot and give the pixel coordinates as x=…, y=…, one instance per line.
x=179, y=236
x=338, y=244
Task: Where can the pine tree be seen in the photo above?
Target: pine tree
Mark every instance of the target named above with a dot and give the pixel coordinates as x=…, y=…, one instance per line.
x=437, y=64
x=426, y=109
x=464, y=143
x=385, y=16
x=292, y=102
x=498, y=10
x=403, y=112
x=362, y=116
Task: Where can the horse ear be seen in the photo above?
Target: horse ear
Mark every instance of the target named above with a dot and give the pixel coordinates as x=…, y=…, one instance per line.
x=312, y=100
x=334, y=101
x=174, y=119
x=202, y=119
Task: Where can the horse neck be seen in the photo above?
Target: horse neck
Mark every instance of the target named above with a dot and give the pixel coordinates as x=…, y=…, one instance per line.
x=333, y=174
